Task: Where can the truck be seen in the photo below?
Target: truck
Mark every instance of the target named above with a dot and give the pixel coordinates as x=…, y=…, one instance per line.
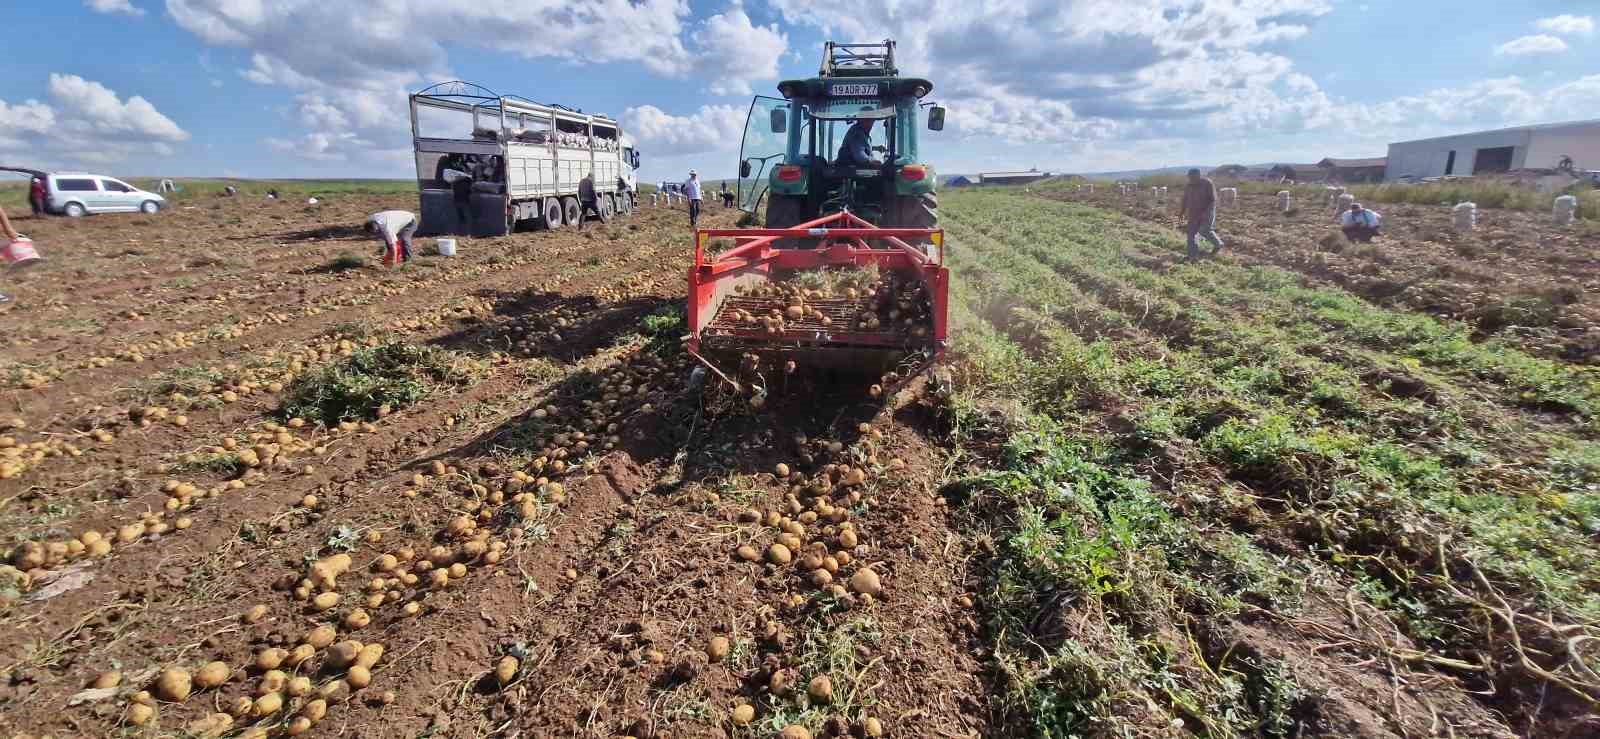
x=490, y=163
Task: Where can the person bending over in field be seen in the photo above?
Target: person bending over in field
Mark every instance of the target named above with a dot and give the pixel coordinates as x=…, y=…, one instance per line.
x=396, y=228
x=10, y=236
x=1200, y=205
x=1360, y=224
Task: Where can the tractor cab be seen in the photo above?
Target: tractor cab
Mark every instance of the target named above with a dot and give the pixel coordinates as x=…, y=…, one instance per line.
x=794, y=154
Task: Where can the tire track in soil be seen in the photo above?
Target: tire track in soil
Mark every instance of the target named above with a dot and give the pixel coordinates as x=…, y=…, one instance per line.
x=671, y=582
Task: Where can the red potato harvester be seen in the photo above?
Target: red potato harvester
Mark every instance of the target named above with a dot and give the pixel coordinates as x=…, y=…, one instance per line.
x=732, y=325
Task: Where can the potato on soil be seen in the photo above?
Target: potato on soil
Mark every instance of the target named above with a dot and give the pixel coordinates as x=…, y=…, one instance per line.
x=344, y=653
x=212, y=674
x=821, y=689
x=358, y=677
x=139, y=714
x=779, y=554
x=174, y=685
x=743, y=714
x=270, y=659
x=321, y=636
x=506, y=670
x=267, y=705
x=872, y=727
x=107, y=679
x=718, y=648
x=866, y=582
x=254, y=614
x=794, y=731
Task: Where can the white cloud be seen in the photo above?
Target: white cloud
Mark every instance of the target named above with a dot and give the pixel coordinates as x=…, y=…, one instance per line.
x=350, y=71
x=738, y=51
x=99, y=107
x=87, y=123
x=113, y=6
x=1570, y=25
x=1536, y=44
x=713, y=128
x=30, y=116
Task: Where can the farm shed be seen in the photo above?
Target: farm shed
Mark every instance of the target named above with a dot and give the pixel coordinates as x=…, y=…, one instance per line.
x=1297, y=172
x=959, y=180
x=1503, y=150
x=1011, y=178
x=1354, y=170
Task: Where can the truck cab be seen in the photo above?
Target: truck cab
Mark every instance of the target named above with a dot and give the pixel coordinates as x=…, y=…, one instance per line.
x=791, y=155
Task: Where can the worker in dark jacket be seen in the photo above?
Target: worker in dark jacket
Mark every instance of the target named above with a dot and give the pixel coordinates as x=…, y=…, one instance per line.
x=1200, y=207
x=36, y=196
x=856, y=151
x=588, y=201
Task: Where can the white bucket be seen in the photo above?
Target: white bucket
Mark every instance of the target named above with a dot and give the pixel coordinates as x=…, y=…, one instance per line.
x=447, y=247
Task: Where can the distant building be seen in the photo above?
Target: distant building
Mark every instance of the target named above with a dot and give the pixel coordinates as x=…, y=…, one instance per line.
x=1011, y=178
x=959, y=180
x=1353, y=170
x=1488, y=152
x=1296, y=173
x=1239, y=173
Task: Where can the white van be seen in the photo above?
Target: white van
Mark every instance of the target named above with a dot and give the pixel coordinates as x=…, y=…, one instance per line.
x=76, y=195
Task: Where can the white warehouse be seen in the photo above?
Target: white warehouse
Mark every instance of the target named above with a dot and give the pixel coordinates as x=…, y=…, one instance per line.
x=1485, y=152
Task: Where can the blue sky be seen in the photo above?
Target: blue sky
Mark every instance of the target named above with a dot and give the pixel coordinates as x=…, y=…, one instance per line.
x=307, y=88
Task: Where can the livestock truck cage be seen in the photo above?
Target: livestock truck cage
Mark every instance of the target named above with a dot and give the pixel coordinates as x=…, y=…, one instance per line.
x=488, y=163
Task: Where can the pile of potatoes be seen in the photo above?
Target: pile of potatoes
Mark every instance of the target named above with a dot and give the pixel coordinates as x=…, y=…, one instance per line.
x=814, y=531
x=286, y=684
x=901, y=305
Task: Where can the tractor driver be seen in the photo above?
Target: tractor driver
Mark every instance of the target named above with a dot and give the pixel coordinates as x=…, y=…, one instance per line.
x=856, y=151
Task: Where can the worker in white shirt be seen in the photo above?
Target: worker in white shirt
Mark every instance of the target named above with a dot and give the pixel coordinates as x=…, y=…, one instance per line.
x=691, y=189
x=1360, y=224
x=396, y=228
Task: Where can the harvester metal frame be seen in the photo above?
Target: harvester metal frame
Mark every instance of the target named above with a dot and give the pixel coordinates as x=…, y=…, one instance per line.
x=842, y=239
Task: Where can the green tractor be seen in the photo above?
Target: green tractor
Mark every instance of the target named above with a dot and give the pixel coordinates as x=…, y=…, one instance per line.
x=799, y=155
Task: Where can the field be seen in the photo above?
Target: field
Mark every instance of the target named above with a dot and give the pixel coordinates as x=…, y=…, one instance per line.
x=254, y=484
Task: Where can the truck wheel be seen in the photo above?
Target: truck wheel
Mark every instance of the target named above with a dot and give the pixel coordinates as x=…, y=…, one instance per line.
x=608, y=207
x=571, y=212
x=624, y=203
x=552, y=214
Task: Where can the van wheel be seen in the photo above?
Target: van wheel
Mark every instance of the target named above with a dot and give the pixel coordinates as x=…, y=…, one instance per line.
x=571, y=212
x=552, y=213
x=74, y=210
x=149, y=206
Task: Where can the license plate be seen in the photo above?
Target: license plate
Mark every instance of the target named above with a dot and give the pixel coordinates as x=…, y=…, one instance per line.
x=853, y=90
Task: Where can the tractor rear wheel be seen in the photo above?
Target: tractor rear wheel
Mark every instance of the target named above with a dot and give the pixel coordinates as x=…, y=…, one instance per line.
x=783, y=212
x=917, y=211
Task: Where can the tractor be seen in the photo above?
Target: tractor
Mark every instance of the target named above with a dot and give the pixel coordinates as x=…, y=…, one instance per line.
x=791, y=151
x=766, y=301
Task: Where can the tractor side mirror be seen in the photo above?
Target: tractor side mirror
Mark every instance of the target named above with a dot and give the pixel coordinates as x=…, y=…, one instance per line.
x=744, y=170
x=936, y=118
x=780, y=120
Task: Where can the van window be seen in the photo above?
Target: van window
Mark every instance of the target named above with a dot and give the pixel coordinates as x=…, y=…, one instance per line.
x=76, y=185
x=115, y=186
